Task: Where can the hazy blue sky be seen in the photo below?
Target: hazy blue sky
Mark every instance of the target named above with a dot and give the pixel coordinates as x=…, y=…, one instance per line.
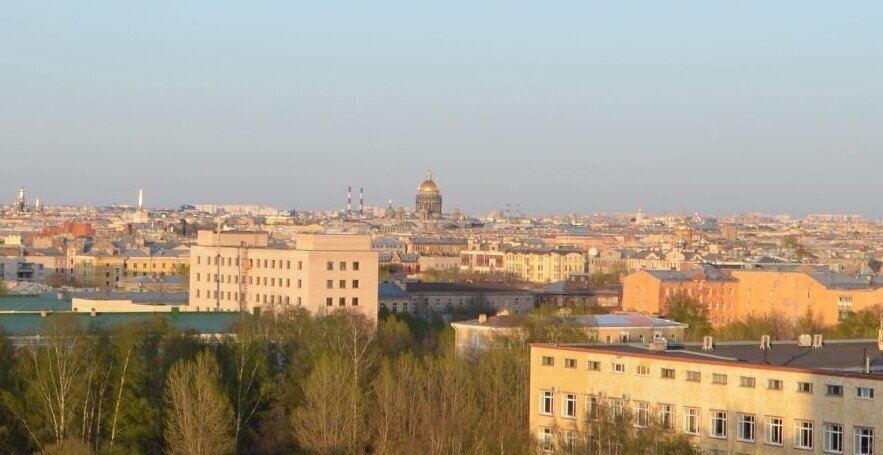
x=560, y=106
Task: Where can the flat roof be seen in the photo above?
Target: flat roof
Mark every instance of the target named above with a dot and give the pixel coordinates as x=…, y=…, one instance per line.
x=840, y=357
x=201, y=322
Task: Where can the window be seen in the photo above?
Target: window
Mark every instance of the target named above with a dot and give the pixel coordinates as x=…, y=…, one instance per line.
x=773, y=431
x=569, y=440
x=863, y=443
x=343, y=266
x=803, y=434
x=804, y=387
x=864, y=392
x=355, y=301
x=341, y=301
x=593, y=407
x=355, y=284
x=341, y=284
x=667, y=373
x=718, y=424
x=616, y=408
x=569, y=408
x=300, y=265
x=641, y=410
x=618, y=368
x=691, y=420
x=833, y=390
x=642, y=370
x=718, y=378
x=774, y=384
x=833, y=438
x=356, y=265
x=694, y=376
x=329, y=284
x=569, y=363
x=546, y=438
x=299, y=284
x=329, y=301
x=548, y=361
x=666, y=416
x=746, y=427
x=745, y=381
x=546, y=402
x=329, y=265
x=844, y=307
x=593, y=365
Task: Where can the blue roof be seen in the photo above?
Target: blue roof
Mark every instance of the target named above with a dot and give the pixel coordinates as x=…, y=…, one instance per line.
x=389, y=290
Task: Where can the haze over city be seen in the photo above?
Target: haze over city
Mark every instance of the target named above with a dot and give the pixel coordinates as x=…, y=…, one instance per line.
x=576, y=107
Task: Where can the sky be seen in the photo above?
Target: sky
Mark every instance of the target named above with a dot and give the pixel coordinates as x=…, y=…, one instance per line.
x=559, y=107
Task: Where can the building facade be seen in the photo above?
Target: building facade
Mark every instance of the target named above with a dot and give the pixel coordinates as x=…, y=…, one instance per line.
x=233, y=271
x=731, y=399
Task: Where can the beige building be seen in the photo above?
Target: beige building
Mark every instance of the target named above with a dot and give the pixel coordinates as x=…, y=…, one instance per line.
x=235, y=270
x=731, y=398
x=544, y=265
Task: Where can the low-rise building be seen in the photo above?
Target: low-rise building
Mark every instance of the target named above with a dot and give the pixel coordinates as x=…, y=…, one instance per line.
x=544, y=264
x=728, y=398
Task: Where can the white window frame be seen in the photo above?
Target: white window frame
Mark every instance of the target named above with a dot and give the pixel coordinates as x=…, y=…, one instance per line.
x=692, y=421
x=666, y=415
x=774, y=426
x=803, y=428
x=569, y=401
x=547, y=401
x=829, y=430
x=751, y=421
x=860, y=433
x=716, y=417
x=547, y=439
x=617, y=367
x=864, y=393
x=641, y=410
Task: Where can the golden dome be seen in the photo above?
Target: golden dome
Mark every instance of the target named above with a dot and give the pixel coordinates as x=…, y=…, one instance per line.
x=428, y=185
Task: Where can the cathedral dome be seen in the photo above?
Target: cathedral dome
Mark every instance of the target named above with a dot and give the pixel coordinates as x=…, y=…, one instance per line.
x=428, y=185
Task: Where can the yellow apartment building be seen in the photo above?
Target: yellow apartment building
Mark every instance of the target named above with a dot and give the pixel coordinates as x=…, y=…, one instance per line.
x=235, y=270
x=729, y=398
x=544, y=265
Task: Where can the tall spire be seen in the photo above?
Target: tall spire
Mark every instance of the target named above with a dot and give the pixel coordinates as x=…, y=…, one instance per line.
x=140, y=199
x=428, y=174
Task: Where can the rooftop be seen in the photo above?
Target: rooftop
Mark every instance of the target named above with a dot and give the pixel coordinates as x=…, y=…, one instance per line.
x=835, y=356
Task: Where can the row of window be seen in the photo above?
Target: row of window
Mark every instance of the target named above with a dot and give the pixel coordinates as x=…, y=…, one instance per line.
x=804, y=436
x=329, y=284
x=273, y=263
x=256, y=280
x=832, y=390
x=237, y=296
x=341, y=301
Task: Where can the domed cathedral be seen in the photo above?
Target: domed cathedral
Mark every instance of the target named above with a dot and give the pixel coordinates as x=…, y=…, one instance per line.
x=429, y=200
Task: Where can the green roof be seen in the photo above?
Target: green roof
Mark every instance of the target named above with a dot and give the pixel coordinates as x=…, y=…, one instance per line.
x=201, y=322
x=33, y=303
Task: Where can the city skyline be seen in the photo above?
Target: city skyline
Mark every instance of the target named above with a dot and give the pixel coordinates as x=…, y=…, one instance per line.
x=577, y=109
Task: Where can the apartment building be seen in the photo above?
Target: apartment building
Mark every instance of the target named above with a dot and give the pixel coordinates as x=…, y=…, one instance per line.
x=235, y=270
x=729, y=398
x=649, y=291
x=735, y=295
x=544, y=264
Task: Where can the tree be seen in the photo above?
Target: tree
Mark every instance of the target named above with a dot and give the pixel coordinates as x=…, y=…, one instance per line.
x=688, y=310
x=199, y=418
x=860, y=324
x=324, y=423
x=3, y=289
x=55, y=371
